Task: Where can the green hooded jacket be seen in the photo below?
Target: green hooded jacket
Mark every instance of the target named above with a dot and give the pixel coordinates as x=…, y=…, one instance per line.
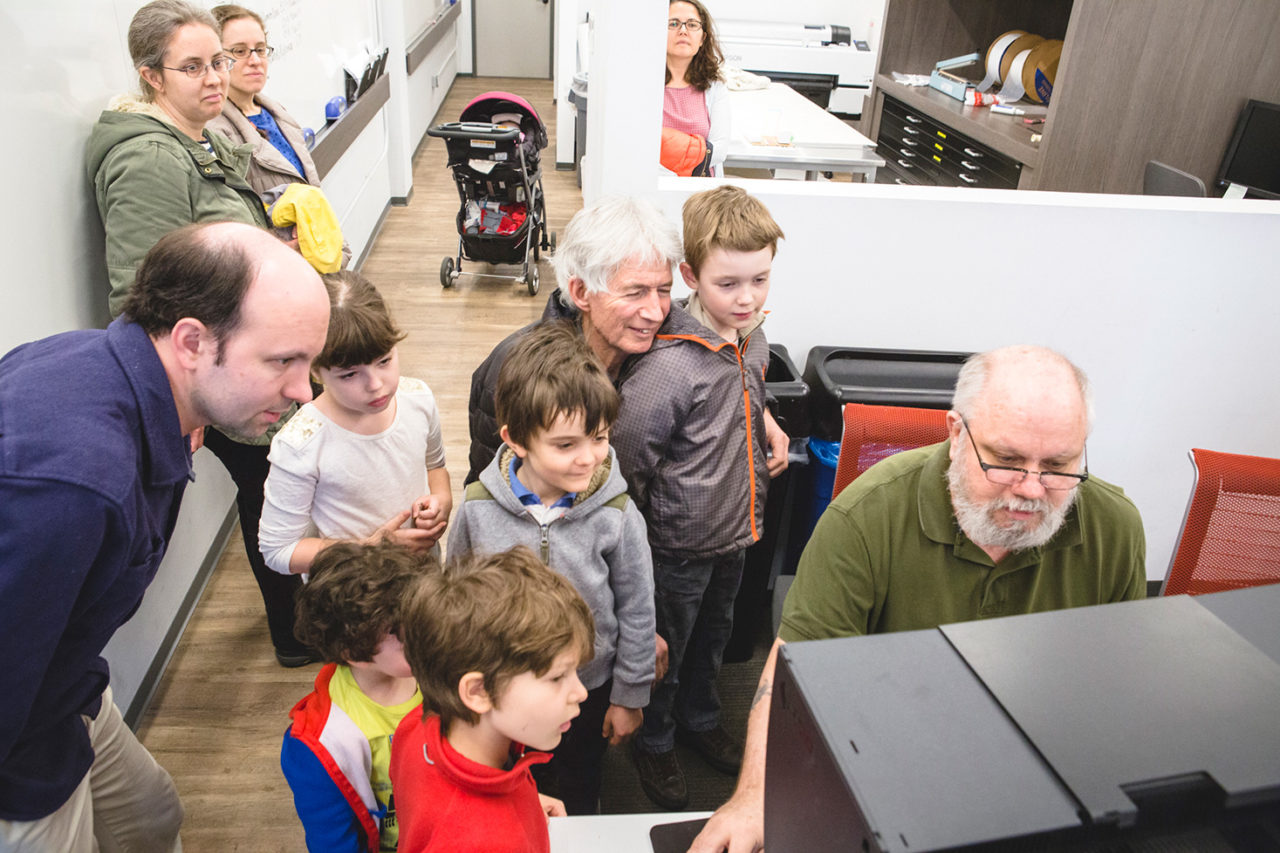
x=150, y=178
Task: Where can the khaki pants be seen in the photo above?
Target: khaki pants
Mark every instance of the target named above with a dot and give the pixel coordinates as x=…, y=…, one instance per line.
x=126, y=802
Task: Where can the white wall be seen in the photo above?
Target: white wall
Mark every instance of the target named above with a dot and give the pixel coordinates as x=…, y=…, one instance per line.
x=1170, y=305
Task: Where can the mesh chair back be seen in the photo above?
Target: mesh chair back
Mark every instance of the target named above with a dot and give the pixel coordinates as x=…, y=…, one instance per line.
x=1231, y=536
x=872, y=433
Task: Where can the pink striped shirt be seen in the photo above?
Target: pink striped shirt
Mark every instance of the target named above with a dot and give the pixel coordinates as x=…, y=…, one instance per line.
x=686, y=110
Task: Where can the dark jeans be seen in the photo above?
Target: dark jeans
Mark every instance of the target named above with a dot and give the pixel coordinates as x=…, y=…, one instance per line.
x=247, y=464
x=573, y=774
x=695, y=616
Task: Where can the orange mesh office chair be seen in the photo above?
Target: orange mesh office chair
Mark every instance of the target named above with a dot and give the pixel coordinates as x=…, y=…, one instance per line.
x=1231, y=536
x=872, y=433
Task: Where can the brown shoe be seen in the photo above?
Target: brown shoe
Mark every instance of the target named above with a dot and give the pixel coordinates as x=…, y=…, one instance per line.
x=661, y=778
x=716, y=747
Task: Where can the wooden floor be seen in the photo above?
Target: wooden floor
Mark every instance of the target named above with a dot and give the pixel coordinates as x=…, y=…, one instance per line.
x=220, y=711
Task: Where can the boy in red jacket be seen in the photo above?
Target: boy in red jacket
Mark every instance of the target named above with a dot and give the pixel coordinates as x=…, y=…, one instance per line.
x=495, y=644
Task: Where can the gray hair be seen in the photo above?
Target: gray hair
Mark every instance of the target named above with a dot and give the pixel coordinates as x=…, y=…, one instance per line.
x=610, y=233
x=152, y=28
x=973, y=378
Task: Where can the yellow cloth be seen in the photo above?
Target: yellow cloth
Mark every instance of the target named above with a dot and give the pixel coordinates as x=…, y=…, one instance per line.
x=319, y=235
x=378, y=722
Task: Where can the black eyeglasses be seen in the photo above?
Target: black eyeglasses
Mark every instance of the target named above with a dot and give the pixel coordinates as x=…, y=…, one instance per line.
x=241, y=52
x=196, y=70
x=1003, y=475
x=690, y=26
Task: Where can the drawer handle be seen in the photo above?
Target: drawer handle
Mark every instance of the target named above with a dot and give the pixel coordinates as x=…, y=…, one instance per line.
x=904, y=164
x=906, y=153
x=972, y=153
x=912, y=119
x=910, y=130
x=912, y=142
x=967, y=179
x=900, y=182
x=970, y=166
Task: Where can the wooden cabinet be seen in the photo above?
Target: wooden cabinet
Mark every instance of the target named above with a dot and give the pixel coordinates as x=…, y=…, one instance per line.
x=1139, y=80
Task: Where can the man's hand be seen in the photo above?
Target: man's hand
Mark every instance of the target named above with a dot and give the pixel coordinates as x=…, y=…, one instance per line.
x=621, y=723
x=551, y=807
x=662, y=660
x=779, y=445
x=737, y=826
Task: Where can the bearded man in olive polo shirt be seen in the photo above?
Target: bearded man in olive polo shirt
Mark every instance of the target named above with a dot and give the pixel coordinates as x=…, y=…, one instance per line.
x=1003, y=518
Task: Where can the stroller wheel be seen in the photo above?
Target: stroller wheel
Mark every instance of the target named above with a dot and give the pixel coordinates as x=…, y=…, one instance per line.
x=446, y=272
x=531, y=280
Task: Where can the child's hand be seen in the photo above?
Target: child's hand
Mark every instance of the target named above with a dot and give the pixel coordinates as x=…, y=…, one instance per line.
x=410, y=537
x=662, y=661
x=621, y=723
x=779, y=445
x=428, y=518
x=552, y=807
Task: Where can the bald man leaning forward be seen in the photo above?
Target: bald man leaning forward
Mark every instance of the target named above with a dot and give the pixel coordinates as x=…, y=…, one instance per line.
x=220, y=328
x=1002, y=518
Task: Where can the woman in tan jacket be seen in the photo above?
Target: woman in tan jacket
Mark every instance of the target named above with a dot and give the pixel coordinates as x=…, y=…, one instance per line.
x=280, y=154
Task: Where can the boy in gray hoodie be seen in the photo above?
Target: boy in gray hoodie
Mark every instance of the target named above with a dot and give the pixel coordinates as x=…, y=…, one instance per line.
x=555, y=487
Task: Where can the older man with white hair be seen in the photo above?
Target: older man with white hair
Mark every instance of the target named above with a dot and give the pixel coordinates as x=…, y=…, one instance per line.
x=613, y=270
x=1002, y=518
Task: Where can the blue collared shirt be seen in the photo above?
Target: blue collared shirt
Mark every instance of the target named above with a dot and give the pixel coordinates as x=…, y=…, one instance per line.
x=527, y=497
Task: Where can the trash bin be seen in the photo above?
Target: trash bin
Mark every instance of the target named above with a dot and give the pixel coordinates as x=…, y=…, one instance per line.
x=769, y=556
x=882, y=377
x=578, y=97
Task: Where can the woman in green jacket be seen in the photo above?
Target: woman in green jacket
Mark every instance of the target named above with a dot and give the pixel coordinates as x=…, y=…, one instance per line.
x=155, y=168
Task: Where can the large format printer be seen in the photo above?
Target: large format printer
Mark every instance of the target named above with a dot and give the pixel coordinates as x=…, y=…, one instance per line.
x=822, y=61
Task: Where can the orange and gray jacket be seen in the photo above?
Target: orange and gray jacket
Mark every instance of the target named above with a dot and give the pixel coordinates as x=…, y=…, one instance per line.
x=690, y=439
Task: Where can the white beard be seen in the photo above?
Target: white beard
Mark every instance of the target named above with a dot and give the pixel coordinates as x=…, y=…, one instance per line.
x=978, y=520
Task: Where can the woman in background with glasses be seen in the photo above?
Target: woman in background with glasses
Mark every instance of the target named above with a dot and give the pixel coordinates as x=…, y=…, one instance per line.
x=153, y=166
x=280, y=154
x=695, y=100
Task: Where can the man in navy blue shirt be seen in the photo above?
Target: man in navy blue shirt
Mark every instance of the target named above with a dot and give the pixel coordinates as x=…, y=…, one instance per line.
x=220, y=328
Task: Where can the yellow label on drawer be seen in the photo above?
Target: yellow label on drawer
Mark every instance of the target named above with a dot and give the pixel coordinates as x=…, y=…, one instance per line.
x=938, y=146
x=942, y=134
x=937, y=158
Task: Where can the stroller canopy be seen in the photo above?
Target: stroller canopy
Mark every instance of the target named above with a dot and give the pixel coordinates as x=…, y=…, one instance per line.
x=484, y=107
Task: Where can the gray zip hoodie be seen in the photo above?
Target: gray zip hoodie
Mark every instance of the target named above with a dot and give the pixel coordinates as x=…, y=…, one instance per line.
x=599, y=544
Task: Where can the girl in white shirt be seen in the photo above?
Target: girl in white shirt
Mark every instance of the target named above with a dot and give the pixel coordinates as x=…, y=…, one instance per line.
x=364, y=461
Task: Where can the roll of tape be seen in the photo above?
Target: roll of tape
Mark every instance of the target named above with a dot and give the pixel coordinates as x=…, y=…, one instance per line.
x=995, y=53
x=1013, y=90
x=1040, y=70
x=1025, y=41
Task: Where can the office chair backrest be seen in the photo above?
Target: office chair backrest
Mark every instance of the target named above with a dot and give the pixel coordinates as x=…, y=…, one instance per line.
x=1231, y=536
x=872, y=433
x=1161, y=179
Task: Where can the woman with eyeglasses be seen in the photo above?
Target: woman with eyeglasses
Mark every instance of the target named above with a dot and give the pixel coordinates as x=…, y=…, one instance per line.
x=695, y=100
x=153, y=166
x=280, y=154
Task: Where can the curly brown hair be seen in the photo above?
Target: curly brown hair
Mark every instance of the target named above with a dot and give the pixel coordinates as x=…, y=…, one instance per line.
x=354, y=598
x=500, y=615
x=704, y=68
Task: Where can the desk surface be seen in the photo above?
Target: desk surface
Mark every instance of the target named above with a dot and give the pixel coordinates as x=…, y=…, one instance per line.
x=818, y=140
x=623, y=833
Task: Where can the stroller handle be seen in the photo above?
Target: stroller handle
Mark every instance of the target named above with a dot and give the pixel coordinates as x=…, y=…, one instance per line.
x=473, y=130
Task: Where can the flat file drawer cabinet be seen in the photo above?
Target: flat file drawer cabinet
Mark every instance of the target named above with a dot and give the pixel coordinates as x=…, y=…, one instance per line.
x=919, y=150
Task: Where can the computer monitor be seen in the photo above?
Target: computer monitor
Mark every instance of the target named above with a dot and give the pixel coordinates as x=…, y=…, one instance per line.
x=1253, y=157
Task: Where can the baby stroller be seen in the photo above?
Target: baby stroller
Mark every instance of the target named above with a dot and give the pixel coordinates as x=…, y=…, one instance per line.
x=494, y=152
